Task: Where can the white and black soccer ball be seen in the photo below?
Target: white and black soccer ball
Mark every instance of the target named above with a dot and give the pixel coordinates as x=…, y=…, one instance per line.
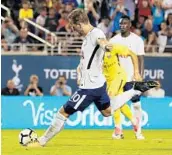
x=26, y=136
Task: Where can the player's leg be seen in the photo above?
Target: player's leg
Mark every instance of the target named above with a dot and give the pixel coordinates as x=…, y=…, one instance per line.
x=137, y=110
x=77, y=102
x=117, y=134
x=126, y=111
x=103, y=102
x=137, y=89
x=116, y=94
x=55, y=127
x=119, y=100
x=138, y=114
x=115, y=87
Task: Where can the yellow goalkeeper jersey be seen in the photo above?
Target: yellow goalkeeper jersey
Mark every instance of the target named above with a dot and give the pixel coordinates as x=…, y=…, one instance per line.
x=111, y=65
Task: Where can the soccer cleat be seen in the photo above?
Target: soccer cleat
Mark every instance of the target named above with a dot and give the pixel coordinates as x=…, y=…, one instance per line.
x=117, y=134
x=144, y=86
x=140, y=137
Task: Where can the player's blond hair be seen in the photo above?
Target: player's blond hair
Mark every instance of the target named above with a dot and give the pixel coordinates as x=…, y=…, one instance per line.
x=78, y=16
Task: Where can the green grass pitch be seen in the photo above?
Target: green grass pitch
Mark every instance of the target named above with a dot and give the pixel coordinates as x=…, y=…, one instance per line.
x=92, y=142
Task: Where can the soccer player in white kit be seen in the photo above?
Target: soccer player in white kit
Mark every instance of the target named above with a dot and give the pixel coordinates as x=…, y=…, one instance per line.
x=135, y=44
x=92, y=86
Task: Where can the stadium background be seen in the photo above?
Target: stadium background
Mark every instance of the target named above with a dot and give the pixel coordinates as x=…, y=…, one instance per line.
x=36, y=39
x=50, y=49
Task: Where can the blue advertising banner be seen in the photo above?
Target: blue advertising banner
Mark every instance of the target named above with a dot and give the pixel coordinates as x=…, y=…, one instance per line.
x=49, y=68
x=38, y=112
x=160, y=68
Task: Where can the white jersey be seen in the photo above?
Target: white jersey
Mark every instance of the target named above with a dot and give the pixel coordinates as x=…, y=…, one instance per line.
x=135, y=44
x=91, y=61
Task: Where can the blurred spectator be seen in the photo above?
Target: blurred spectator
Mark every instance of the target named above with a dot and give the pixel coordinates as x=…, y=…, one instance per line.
x=33, y=89
x=104, y=9
x=9, y=30
x=14, y=6
x=40, y=4
x=117, y=11
x=23, y=37
x=138, y=32
x=65, y=28
x=62, y=8
x=49, y=3
x=151, y=42
x=51, y=39
x=57, y=5
x=42, y=16
x=61, y=88
x=4, y=45
x=63, y=20
x=51, y=22
x=150, y=36
x=158, y=14
x=167, y=5
x=140, y=23
x=104, y=25
x=10, y=90
x=65, y=38
x=162, y=37
x=23, y=25
x=148, y=28
x=144, y=8
x=169, y=39
x=40, y=20
x=25, y=11
x=157, y=92
x=69, y=7
x=73, y=2
x=169, y=20
x=149, y=14
x=130, y=5
x=92, y=14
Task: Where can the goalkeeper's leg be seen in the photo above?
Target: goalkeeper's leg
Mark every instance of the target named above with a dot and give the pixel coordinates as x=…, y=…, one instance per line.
x=126, y=111
x=138, y=114
x=137, y=111
x=117, y=134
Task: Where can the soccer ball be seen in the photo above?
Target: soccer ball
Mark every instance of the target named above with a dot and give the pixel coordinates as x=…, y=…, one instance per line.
x=26, y=136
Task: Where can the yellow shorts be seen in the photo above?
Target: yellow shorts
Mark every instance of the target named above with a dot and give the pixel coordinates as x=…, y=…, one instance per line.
x=115, y=86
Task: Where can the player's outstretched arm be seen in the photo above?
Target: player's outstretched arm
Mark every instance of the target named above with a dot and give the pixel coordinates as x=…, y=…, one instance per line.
x=141, y=64
x=135, y=62
x=104, y=44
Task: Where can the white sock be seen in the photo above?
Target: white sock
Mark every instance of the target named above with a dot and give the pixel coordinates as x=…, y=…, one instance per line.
x=138, y=115
x=121, y=99
x=55, y=127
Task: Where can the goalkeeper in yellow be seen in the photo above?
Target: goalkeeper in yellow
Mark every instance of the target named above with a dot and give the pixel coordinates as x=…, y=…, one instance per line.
x=116, y=79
